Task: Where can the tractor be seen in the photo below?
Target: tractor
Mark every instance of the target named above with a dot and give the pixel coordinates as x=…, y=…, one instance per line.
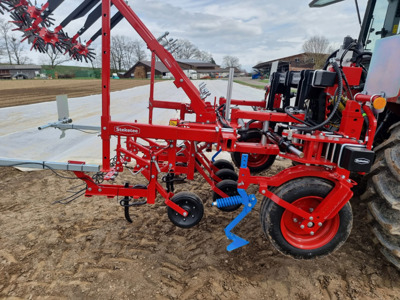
x=342, y=121
x=382, y=192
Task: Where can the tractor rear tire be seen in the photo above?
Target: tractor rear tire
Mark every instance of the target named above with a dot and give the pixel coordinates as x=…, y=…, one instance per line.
x=383, y=196
x=282, y=226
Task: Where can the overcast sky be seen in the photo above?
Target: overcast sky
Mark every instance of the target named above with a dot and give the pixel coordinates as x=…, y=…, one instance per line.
x=252, y=30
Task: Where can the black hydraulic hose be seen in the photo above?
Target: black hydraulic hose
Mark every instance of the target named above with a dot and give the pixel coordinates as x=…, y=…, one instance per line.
x=293, y=117
x=338, y=96
x=329, y=58
x=347, y=85
x=220, y=118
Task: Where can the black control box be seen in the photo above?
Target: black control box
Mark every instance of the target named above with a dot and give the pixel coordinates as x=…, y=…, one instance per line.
x=323, y=79
x=356, y=159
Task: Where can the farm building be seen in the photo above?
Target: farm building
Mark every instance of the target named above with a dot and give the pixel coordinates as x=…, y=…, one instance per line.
x=142, y=68
x=19, y=71
x=289, y=63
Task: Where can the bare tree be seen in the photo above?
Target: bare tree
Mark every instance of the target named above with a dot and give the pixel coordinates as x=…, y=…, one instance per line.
x=230, y=62
x=17, y=50
x=204, y=56
x=316, y=49
x=54, y=59
x=118, y=46
x=186, y=50
x=11, y=45
x=5, y=28
x=125, y=52
x=138, y=48
x=96, y=61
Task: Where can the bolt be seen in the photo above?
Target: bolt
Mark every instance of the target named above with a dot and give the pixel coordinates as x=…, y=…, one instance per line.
x=104, y=128
x=181, y=80
x=89, y=189
x=192, y=155
x=99, y=190
x=263, y=191
x=319, y=224
x=302, y=226
x=249, y=205
x=312, y=233
x=185, y=214
x=153, y=157
x=295, y=220
x=310, y=224
x=343, y=177
x=311, y=218
x=152, y=176
x=311, y=209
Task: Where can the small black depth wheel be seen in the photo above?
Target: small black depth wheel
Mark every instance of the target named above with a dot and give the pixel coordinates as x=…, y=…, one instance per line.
x=223, y=164
x=282, y=226
x=229, y=187
x=256, y=162
x=227, y=174
x=192, y=204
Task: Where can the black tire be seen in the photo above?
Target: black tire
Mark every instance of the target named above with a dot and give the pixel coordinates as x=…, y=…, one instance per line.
x=229, y=187
x=257, y=163
x=326, y=240
x=223, y=164
x=227, y=174
x=383, y=196
x=192, y=204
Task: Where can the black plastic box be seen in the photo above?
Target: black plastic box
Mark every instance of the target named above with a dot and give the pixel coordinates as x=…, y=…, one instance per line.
x=356, y=159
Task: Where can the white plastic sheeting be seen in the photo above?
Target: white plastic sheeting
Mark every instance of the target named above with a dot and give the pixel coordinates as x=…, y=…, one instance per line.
x=20, y=137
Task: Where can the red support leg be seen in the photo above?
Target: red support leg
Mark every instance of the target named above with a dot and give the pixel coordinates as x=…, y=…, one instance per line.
x=106, y=118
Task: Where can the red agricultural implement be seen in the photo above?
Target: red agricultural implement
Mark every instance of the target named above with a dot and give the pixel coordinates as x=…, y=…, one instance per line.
x=328, y=128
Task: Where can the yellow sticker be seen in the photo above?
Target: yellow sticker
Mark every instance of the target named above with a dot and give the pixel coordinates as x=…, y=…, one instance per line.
x=395, y=28
x=173, y=123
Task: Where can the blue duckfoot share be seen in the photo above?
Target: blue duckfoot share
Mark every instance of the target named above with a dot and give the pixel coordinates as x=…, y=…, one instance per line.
x=248, y=201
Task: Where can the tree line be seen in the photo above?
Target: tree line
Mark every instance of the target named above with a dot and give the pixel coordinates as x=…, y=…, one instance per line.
x=125, y=52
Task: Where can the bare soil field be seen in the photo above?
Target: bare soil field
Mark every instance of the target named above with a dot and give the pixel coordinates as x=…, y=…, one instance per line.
x=87, y=250
x=22, y=92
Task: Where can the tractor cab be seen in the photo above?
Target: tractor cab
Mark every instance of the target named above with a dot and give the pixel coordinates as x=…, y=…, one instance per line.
x=381, y=20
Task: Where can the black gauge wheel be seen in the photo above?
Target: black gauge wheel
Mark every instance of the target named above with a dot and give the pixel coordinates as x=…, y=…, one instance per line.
x=192, y=204
x=227, y=174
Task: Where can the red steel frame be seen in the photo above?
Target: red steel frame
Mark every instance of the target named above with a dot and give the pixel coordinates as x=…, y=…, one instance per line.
x=198, y=136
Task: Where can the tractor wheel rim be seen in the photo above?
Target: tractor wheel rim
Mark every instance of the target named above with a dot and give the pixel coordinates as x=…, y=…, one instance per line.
x=296, y=237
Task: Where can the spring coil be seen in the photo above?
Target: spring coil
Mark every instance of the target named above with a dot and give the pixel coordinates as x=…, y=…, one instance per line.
x=225, y=202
